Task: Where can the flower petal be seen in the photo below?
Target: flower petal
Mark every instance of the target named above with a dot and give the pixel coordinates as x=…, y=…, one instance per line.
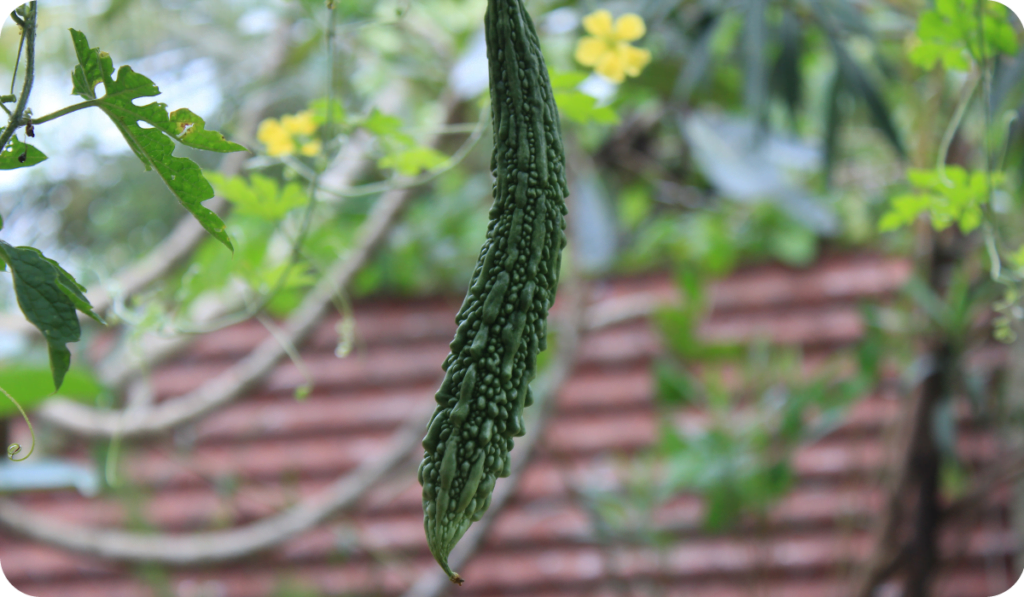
x=598, y=23
x=629, y=27
x=589, y=51
x=280, y=148
x=633, y=59
x=611, y=67
x=311, y=149
x=269, y=129
x=299, y=124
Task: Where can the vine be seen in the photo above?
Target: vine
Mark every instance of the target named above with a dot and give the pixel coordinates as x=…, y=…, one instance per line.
x=14, y=449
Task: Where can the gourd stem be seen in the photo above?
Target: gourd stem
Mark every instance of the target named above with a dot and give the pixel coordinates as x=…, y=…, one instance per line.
x=66, y=111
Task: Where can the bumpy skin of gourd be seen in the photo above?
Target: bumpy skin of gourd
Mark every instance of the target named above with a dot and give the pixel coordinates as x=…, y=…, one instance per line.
x=502, y=324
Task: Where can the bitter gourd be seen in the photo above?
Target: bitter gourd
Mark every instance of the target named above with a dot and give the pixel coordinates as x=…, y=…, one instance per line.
x=502, y=324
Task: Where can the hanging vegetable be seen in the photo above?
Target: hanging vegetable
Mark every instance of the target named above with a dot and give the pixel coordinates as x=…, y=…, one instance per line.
x=502, y=324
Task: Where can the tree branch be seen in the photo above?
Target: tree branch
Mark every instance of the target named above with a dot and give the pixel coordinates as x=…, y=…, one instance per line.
x=91, y=422
x=906, y=539
x=87, y=421
x=219, y=546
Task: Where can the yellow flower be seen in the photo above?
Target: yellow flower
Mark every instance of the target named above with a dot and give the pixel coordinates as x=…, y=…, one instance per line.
x=277, y=140
x=299, y=124
x=311, y=149
x=607, y=49
x=279, y=136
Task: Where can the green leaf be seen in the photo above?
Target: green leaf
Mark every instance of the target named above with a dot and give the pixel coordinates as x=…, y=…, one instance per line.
x=319, y=108
x=10, y=159
x=88, y=73
x=189, y=129
x=951, y=33
x=261, y=196
x=152, y=146
x=32, y=385
x=674, y=385
x=955, y=198
x=386, y=127
x=48, y=296
x=412, y=161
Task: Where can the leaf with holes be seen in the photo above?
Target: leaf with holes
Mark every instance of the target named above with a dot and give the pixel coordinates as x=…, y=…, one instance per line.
x=48, y=296
x=152, y=146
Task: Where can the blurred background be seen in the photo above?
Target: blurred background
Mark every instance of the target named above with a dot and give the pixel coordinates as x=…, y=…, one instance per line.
x=783, y=359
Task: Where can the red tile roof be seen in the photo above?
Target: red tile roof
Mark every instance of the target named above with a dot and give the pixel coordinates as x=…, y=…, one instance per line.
x=269, y=450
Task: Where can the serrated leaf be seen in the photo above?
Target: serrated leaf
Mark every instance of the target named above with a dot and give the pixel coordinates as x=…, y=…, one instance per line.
x=952, y=32
x=10, y=159
x=88, y=73
x=152, y=146
x=189, y=129
x=48, y=296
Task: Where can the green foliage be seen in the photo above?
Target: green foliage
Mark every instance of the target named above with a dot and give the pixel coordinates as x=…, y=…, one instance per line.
x=673, y=385
x=413, y=160
x=260, y=196
x=19, y=155
x=634, y=206
x=48, y=296
x=950, y=33
x=956, y=198
x=740, y=462
x=152, y=146
x=402, y=153
x=336, y=114
x=31, y=385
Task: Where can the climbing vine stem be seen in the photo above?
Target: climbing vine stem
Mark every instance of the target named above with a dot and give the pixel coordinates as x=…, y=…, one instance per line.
x=14, y=449
x=28, y=36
